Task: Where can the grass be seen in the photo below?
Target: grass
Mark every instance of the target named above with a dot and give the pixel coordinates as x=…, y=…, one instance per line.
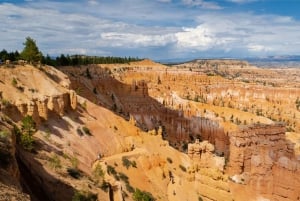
x=55, y=162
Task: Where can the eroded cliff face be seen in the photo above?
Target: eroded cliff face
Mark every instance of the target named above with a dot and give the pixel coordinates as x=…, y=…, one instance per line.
x=264, y=161
x=10, y=186
x=24, y=91
x=189, y=106
x=226, y=146
x=29, y=91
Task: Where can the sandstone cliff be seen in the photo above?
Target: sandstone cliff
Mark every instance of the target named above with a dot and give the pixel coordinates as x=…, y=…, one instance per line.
x=108, y=133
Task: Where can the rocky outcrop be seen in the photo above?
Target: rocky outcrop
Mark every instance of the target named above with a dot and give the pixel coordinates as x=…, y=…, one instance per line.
x=262, y=159
x=10, y=187
x=46, y=91
x=202, y=153
x=9, y=193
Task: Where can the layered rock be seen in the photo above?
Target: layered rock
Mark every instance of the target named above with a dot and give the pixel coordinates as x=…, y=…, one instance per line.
x=10, y=187
x=265, y=162
x=202, y=153
x=46, y=91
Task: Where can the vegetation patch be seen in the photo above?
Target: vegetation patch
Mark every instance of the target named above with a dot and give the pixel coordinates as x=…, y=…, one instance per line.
x=127, y=163
x=84, y=196
x=182, y=168
x=86, y=131
x=74, y=172
x=139, y=195
x=25, y=135
x=55, y=162
x=169, y=160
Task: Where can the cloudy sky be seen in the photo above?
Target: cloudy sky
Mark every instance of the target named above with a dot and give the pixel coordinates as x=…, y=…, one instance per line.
x=156, y=29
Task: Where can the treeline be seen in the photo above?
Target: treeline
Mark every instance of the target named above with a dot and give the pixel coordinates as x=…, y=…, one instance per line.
x=73, y=60
x=12, y=56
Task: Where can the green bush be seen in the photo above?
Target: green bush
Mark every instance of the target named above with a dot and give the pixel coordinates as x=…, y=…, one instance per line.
x=139, y=195
x=123, y=177
x=86, y=130
x=14, y=82
x=129, y=188
x=98, y=172
x=74, y=172
x=126, y=162
x=4, y=134
x=84, y=196
x=111, y=170
x=27, y=142
x=55, y=162
x=26, y=134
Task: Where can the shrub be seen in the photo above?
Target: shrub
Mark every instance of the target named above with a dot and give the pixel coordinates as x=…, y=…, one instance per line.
x=55, y=162
x=74, y=172
x=27, y=142
x=111, y=170
x=74, y=162
x=123, y=177
x=84, y=196
x=4, y=134
x=5, y=102
x=98, y=172
x=169, y=160
x=86, y=130
x=14, y=82
x=79, y=132
x=133, y=164
x=182, y=168
x=139, y=195
x=129, y=188
x=105, y=186
x=126, y=162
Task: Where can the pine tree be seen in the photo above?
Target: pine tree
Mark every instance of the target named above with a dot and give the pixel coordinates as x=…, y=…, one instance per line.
x=31, y=52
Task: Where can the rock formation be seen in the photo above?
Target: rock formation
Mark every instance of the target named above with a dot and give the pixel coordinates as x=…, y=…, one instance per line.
x=221, y=124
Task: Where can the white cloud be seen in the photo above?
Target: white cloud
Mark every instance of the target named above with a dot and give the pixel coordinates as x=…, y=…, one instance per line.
x=137, y=40
x=197, y=38
x=258, y=48
x=242, y=1
x=165, y=1
x=93, y=2
x=98, y=30
x=203, y=4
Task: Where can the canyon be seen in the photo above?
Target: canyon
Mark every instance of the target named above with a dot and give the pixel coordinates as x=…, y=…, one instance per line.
x=212, y=130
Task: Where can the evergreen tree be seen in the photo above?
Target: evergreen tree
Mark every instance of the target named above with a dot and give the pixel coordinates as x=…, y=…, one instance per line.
x=31, y=52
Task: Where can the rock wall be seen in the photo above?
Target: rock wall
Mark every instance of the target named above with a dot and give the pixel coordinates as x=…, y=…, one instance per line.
x=40, y=109
x=10, y=187
x=202, y=153
x=261, y=158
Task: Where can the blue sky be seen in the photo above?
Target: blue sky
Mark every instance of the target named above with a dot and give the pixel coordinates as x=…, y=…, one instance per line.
x=156, y=29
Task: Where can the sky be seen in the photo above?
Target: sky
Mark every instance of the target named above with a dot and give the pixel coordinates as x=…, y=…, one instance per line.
x=155, y=29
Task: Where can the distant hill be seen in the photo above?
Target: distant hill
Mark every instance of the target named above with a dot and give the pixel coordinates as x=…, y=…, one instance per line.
x=276, y=61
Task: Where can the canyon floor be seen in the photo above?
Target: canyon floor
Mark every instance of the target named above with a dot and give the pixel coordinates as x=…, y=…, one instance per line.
x=211, y=130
